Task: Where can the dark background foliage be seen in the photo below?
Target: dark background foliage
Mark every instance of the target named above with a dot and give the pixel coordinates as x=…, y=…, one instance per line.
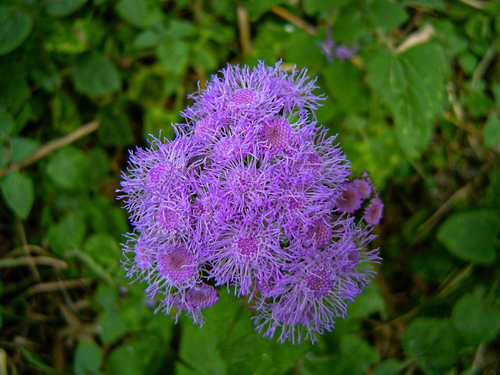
x=418, y=106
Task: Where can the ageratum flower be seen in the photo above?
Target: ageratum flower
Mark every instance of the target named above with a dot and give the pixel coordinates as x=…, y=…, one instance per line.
x=252, y=197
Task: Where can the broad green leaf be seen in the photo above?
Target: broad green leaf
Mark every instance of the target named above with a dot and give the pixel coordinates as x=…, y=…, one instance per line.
x=411, y=84
x=69, y=169
x=493, y=194
x=113, y=326
x=258, y=7
x=316, y=6
x=173, y=56
x=138, y=13
x=15, y=27
x=67, y=234
x=60, y=8
x=88, y=358
x=468, y=62
x=143, y=354
x=432, y=343
x=228, y=343
x=386, y=14
x=345, y=85
x=349, y=27
x=95, y=76
x=368, y=303
x=64, y=37
x=147, y=39
x=491, y=131
x=7, y=124
x=199, y=350
x=21, y=148
x=471, y=235
x=104, y=249
x=17, y=190
x=65, y=115
x=478, y=103
x=388, y=367
x=180, y=29
x=114, y=128
x=476, y=321
x=13, y=87
x=304, y=51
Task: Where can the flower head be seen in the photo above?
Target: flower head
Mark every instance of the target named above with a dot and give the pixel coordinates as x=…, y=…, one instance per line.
x=251, y=196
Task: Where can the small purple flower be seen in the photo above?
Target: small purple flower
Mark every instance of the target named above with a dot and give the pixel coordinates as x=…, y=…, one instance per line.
x=363, y=187
x=373, y=213
x=349, y=199
x=344, y=53
x=252, y=196
x=333, y=51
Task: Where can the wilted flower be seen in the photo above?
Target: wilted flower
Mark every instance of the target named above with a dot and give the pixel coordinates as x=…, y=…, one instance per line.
x=253, y=196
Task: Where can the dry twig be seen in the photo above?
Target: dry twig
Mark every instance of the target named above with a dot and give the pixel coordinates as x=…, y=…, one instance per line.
x=30, y=261
x=418, y=37
x=293, y=19
x=58, y=285
x=244, y=29
x=52, y=146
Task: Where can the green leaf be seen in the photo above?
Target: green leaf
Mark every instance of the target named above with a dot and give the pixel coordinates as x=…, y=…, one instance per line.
x=21, y=148
x=471, y=235
x=104, y=249
x=173, y=56
x=65, y=115
x=356, y=354
x=411, y=84
x=349, y=27
x=316, y=6
x=17, y=190
x=15, y=27
x=88, y=358
x=95, y=76
x=67, y=234
x=137, y=356
x=386, y=14
x=13, y=87
x=432, y=343
x=256, y=8
x=228, y=343
x=148, y=39
x=7, y=124
x=345, y=84
x=113, y=326
x=69, y=169
x=476, y=321
x=60, y=8
x=491, y=131
x=138, y=13
x=368, y=303
x=115, y=128
x=388, y=367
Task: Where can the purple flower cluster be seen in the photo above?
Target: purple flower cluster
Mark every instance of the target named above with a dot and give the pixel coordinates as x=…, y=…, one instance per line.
x=252, y=196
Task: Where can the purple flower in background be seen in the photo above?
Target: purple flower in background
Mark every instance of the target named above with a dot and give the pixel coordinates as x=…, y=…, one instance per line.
x=254, y=197
x=333, y=51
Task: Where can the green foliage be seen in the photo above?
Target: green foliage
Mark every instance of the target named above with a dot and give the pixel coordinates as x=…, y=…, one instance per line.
x=18, y=192
x=95, y=76
x=476, y=320
x=15, y=27
x=88, y=358
x=471, y=236
x=411, y=84
x=432, y=343
x=417, y=107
